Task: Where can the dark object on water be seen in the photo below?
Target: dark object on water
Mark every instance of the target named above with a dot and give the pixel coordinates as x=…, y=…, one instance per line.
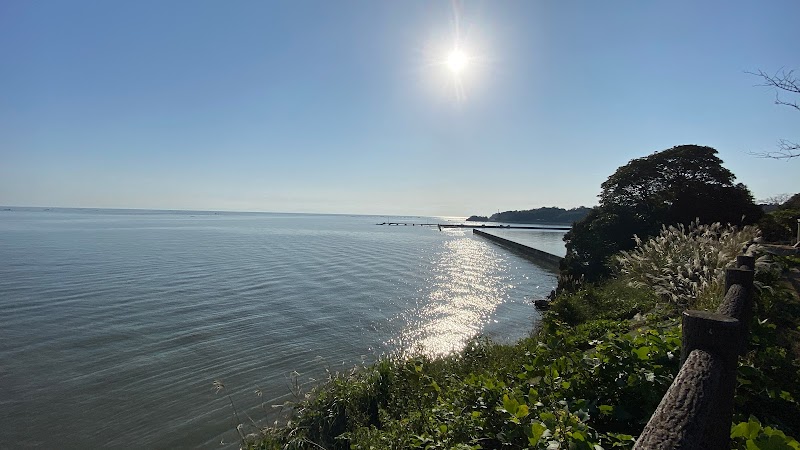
x=542, y=305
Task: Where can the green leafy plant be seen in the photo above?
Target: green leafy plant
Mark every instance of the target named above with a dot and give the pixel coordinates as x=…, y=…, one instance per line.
x=586, y=381
x=613, y=300
x=751, y=435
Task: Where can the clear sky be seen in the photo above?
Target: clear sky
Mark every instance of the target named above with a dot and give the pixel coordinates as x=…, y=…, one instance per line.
x=352, y=107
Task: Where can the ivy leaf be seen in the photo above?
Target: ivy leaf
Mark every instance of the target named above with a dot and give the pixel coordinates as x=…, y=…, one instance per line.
x=606, y=409
x=578, y=436
x=747, y=430
x=510, y=404
x=548, y=419
x=537, y=430
x=522, y=411
x=642, y=353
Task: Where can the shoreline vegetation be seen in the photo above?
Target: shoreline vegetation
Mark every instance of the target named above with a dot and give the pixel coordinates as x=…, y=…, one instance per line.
x=596, y=367
x=591, y=374
x=536, y=215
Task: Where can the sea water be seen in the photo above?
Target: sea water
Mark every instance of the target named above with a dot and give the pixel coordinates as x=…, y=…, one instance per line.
x=115, y=323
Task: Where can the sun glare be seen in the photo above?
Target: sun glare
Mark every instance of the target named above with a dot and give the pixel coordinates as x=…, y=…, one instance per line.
x=457, y=61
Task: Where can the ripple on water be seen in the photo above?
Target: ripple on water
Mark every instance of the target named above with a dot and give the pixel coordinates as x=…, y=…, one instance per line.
x=114, y=325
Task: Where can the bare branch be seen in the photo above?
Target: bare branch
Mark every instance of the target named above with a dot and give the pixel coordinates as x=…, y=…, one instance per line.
x=786, y=150
x=778, y=101
x=785, y=81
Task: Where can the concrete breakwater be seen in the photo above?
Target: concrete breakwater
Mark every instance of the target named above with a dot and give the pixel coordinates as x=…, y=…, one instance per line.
x=484, y=226
x=545, y=259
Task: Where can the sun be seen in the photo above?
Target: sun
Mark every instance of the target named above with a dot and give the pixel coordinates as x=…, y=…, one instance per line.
x=457, y=61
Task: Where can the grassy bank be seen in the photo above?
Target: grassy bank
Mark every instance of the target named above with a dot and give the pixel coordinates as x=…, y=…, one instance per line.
x=590, y=376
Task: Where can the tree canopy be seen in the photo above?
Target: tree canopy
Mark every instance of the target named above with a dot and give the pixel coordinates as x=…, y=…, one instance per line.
x=780, y=224
x=546, y=214
x=677, y=185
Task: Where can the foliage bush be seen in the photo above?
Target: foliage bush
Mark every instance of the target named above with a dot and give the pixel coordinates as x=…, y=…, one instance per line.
x=559, y=392
x=769, y=374
x=752, y=435
x=685, y=265
x=780, y=225
x=615, y=299
x=671, y=187
x=592, y=382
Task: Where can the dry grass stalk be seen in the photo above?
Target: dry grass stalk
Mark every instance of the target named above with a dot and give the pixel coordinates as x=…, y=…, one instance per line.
x=685, y=265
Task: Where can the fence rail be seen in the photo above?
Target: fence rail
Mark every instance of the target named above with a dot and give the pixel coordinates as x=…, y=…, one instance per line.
x=696, y=411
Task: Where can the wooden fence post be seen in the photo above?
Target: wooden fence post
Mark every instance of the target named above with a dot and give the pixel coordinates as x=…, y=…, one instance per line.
x=711, y=332
x=749, y=262
x=696, y=412
x=738, y=276
x=718, y=335
x=738, y=301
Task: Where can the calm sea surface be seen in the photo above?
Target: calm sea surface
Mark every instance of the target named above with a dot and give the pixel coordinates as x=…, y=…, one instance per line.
x=114, y=323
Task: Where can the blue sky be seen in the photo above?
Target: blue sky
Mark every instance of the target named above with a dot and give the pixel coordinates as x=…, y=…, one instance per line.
x=348, y=107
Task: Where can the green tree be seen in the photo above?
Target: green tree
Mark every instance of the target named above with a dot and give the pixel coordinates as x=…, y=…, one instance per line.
x=780, y=224
x=677, y=185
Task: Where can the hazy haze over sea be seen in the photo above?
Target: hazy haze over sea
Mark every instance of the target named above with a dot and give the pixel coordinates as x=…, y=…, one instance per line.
x=114, y=323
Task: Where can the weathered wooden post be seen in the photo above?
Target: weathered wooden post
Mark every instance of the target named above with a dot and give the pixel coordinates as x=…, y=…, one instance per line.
x=696, y=412
x=738, y=276
x=711, y=332
x=719, y=335
x=746, y=262
x=682, y=417
x=738, y=301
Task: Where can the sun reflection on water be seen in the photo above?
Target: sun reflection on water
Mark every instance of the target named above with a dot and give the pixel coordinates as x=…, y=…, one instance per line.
x=467, y=285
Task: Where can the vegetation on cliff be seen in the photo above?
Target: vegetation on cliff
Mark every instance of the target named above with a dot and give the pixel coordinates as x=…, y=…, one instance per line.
x=780, y=224
x=675, y=186
x=591, y=376
x=604, y=354
x=537, y=215
x=547, y=215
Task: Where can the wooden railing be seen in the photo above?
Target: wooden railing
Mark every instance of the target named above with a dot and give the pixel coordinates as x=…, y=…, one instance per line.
x=696, y=411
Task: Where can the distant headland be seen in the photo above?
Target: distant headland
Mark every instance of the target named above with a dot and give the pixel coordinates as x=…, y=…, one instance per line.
x=538, y=215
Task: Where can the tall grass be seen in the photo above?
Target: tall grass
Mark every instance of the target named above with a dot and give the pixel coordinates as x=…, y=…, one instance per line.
x=685, y=265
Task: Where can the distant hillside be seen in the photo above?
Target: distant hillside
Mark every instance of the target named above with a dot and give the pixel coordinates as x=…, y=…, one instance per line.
x=477, y=219
x=780, y=202
x=541, y=215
